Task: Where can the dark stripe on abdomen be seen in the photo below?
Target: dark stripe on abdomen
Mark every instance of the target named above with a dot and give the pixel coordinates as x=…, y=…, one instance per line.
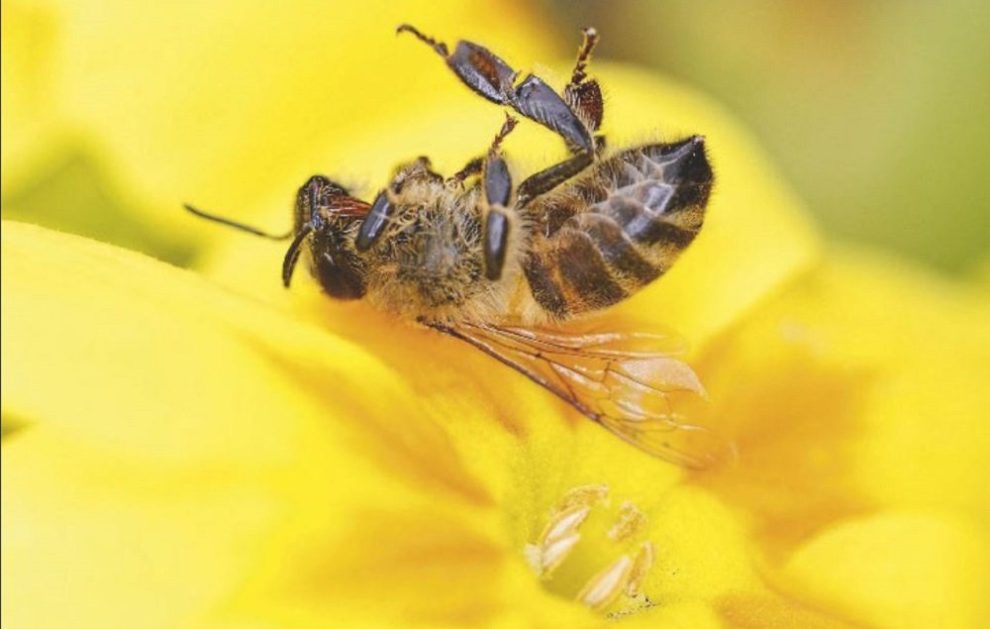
x=571, y=276
x=584, y=271
x=543, y=286
x=617, y=249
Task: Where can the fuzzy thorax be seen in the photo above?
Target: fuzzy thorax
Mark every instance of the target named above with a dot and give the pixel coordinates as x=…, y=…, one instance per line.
x=429, y=264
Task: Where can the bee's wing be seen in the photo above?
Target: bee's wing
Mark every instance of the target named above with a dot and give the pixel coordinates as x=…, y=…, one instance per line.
x=628, y=382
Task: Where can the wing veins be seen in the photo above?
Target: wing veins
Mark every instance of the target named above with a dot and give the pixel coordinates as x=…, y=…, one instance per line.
x=598, y=386
x=589, y=343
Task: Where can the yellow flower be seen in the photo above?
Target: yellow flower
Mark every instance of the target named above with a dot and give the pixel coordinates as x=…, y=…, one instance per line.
x=182, y=450
x=180, y=455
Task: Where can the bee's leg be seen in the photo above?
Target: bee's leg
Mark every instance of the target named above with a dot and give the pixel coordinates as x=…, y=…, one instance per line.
x=476, y=165
x=584, y=56
x=496, y=148
x=549, y=178
x=498, y=194
x=585, y=97
x=489, y=76
x=470, y=169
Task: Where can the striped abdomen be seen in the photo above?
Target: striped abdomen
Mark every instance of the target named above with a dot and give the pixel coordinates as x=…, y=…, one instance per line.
x=617, y=227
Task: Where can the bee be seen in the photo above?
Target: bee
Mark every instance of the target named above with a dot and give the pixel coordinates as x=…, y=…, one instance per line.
x=507, y=268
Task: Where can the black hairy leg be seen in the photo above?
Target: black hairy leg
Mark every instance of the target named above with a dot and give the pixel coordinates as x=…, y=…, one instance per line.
x=489, y=76
x=498, y=196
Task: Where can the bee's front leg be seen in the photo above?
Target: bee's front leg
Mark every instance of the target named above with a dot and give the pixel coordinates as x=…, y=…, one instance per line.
x=498, y=197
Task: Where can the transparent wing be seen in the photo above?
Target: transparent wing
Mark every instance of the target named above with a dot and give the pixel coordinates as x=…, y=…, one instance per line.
x=629, y=382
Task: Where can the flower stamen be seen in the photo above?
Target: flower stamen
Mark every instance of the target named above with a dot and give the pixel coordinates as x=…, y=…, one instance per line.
x=563, y=523
x=557, y=540
x=623, y=576
x=584, y=495
x=603, y=588
x=628, y=523
x=641, y=566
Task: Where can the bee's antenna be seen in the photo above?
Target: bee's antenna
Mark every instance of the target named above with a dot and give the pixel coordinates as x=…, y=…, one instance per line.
x=241, y=226
x=292, y=255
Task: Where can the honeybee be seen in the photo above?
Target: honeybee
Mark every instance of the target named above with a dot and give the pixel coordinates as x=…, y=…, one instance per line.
x=506, y=268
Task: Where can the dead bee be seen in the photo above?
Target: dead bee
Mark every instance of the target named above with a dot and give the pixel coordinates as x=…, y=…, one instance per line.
x=502, y=267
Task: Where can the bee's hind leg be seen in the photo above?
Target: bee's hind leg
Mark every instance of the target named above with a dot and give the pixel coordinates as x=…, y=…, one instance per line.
x=583, y=95
x=489, y=76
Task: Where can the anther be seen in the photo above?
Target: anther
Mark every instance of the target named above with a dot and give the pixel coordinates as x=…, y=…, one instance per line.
x=628, y=523
x=640, y=568
x=623, y=577
x=557, y=540
x=589, y=495
x=605, y=587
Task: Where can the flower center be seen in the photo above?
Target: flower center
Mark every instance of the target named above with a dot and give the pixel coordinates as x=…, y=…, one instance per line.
x=593, y=552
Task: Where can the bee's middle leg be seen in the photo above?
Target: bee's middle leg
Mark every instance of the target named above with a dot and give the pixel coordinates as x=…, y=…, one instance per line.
x=549, y=178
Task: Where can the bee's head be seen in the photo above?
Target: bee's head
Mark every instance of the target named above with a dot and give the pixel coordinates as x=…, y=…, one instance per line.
x=327, y=218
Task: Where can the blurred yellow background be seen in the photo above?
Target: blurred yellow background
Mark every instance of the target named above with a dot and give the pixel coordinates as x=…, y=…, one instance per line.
x=877, y=113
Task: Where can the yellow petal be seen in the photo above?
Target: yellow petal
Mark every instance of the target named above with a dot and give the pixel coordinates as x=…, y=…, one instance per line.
x=203, y=429
x=27, y=111
x=185, y=455
x=897, y=570
x=147, y=333
x=140, y=482
x=675, y=616
x=747, y=610
x=925, y=431
x=839, y=405
x=858, y=390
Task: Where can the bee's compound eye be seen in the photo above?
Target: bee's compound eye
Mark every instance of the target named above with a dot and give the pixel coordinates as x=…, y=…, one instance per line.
x=374, y=223
x=496, y=242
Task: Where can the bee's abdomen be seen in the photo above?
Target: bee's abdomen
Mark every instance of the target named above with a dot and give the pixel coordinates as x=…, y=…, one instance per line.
x=618, y=227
